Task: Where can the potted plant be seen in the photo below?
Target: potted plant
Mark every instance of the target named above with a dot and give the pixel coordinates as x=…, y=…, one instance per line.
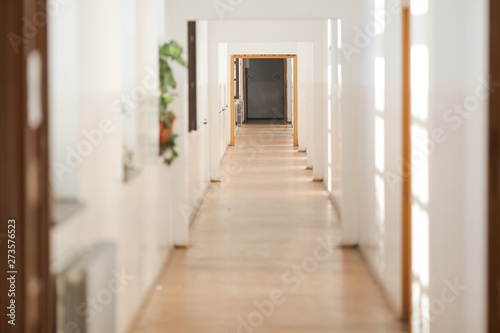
x=169, y=52
x=166, y=126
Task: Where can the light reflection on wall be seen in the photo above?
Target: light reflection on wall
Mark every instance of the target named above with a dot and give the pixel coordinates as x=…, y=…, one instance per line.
x=380, y=157
x=420, y=185
x=379, y=16
x=333, y=136
x=420, y=82
x=380, y=84
x=339, y=34
x=419, y=7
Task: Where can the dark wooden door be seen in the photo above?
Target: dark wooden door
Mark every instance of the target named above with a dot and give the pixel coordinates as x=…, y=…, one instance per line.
x=265, y=87
x=24, y=195
x=494, y=174
x=193, y=114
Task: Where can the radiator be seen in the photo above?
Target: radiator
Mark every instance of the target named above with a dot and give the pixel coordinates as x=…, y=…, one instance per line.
x=239, y=111
x=85, y=294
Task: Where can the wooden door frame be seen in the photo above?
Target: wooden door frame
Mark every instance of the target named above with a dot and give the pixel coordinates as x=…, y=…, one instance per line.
x=24, y=171
x=285, y=91
x=494, y=174
x=295, y=89
x=406, y=171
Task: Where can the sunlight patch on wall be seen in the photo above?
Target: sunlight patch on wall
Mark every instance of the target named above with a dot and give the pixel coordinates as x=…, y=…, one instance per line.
x=380, y=196
x=420, y=163
x=340, y=74
x=330, y=149
x=420, y=219
x=329, y=81
x=380, y=84
x=330, y=175
x=329, y=115
x=379, y=144
x=420, y=180
x=420, y=81
x=329, y=34
x=420, y=269
x=339, y=34
x=419, y=7
x=379, y=18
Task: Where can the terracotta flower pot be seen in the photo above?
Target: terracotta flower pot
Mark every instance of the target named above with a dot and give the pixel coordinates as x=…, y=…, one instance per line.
x=165, y=136
x=165, y=133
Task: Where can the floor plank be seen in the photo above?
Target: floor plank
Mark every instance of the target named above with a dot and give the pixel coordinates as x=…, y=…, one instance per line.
x=260, y=232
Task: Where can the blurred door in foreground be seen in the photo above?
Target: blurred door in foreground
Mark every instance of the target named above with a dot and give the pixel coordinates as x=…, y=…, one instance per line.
x=25, y=294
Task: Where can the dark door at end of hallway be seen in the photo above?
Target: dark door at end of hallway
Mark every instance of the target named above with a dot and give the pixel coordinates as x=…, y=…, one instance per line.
x=265, y=90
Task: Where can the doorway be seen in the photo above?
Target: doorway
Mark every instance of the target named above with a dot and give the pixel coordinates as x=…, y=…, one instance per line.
x=265, y=90
x=243, y=61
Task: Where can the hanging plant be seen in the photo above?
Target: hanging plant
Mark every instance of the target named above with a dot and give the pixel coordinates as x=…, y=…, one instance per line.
x=167, y=138
x=169, y=52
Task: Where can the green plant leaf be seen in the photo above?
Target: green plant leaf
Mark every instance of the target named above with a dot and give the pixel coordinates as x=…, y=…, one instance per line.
x=174, y=50
x=181, y=61
x=168, y=53
x=167, y=98
x=168, y=80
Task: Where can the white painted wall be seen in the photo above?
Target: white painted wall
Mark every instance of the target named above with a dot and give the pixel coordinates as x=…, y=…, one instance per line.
x=332, y=149
x=449, y=203
x=449, y=186
x=306, y=100
x=380, y=228
x=128, y=75
x=63, y=89
x=100, y=64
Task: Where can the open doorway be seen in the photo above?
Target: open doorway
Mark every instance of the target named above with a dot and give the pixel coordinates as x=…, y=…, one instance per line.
x=263, y=89
x=265, y=94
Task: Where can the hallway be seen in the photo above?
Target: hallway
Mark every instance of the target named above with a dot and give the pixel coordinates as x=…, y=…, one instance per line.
x=377, y=212
x=259, y=241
